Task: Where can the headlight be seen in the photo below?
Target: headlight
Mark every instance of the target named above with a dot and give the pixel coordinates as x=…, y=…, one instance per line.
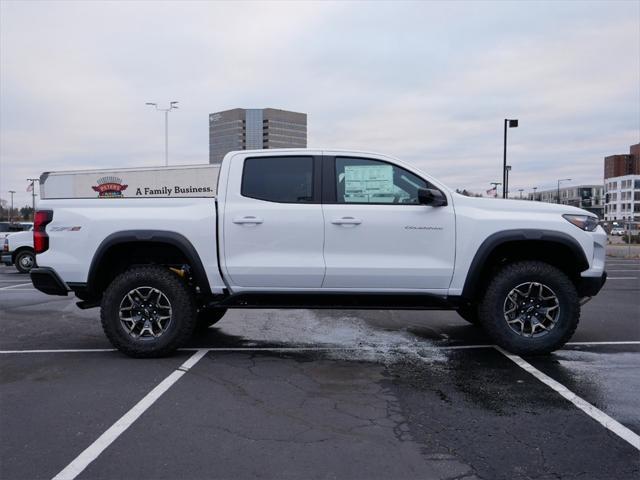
x=584, y=222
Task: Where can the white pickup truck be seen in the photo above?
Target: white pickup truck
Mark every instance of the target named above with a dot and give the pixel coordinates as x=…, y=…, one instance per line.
x=17, y=250
x=164, y=252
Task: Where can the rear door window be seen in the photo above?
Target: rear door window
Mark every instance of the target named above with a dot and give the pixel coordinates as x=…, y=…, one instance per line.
x=278, y=179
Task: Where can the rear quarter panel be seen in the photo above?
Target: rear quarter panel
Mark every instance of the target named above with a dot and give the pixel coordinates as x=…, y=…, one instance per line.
x=80, y=226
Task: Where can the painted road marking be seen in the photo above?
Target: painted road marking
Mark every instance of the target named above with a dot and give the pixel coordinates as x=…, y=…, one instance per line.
x=622, y=278
x=598, y=415
x=623, y=270
x=92, y=452
x=304, y=349
x=18, y=285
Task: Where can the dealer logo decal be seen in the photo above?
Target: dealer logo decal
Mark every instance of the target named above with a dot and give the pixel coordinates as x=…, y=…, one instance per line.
x=110, y=187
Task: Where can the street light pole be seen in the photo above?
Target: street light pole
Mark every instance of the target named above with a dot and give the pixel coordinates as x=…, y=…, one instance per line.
x=508, y=123
x=172, y=105
x=561, y=180
x=11, y=210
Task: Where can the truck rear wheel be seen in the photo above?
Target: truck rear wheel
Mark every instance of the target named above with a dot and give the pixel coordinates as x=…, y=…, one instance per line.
x=209, y=316
x=148, y=311
x=530, y=307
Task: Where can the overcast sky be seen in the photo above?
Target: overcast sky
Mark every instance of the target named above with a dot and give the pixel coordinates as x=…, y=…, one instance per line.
x=428, y=82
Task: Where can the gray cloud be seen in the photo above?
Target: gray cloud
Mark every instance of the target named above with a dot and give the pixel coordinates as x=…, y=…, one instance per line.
x=427, y=82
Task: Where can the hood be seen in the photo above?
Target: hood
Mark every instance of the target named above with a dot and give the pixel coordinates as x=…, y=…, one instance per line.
x=524, y=206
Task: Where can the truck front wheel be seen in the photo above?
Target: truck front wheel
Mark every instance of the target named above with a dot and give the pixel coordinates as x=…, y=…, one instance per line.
x=530, y=307
x=148, y=311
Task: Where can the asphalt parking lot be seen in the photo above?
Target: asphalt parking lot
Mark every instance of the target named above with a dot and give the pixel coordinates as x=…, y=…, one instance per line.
x=319, y=394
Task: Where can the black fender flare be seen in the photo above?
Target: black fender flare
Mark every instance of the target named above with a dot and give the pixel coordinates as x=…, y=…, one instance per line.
x=493, y=241
x=158, y=236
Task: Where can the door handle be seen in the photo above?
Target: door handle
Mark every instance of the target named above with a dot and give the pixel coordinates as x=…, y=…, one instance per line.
x=249, y=219
x=346, y=221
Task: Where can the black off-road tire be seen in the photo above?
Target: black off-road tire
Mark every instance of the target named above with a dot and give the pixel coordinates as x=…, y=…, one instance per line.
x=209, y=316
x=183, y=311
x=470, y=314
x=21, y=257
x=491, y=308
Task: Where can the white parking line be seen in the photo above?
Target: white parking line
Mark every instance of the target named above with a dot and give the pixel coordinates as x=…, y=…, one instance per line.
x=622, y=270
x=16, y=286
x=92, y=452
x=598, y=415
x=622, y=278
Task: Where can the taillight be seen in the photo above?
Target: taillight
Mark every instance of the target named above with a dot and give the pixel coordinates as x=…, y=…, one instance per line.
x=5, y=247
x=40, y=237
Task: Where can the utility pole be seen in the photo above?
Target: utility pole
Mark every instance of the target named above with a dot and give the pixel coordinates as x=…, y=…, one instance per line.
x=11, y=209
x=172, y=105
x=508, y=123
x=32, y=188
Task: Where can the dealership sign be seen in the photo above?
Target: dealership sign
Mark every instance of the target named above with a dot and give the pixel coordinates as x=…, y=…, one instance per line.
x=168, y=182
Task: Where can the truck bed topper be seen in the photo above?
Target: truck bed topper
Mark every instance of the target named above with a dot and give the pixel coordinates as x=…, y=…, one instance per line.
x=140, y=182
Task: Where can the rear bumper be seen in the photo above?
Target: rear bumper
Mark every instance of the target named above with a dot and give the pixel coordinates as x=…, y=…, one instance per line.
x=47, y=281
x=590, y=286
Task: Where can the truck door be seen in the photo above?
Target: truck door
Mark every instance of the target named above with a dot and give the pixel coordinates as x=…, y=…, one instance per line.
x=273, y=225
x=377, y=235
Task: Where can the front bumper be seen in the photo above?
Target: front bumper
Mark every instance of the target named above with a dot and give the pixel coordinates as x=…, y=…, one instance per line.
x=47, y=281
x=590, y=286
x=7, y=259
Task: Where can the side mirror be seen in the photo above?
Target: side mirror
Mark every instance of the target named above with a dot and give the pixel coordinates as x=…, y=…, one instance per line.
x=431, y=197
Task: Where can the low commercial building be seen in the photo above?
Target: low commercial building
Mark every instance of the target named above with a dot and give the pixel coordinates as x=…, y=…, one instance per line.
x=589, y=197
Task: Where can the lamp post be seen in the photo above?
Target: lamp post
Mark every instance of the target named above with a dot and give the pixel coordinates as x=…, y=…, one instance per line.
x=508, y=123
x=561, y=180
x=11, y=209
x=166, y=111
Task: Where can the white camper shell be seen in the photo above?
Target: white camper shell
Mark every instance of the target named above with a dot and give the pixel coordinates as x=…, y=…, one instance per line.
x=189, y=181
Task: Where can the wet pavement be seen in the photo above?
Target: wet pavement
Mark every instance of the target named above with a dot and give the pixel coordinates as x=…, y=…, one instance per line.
x=326, y=394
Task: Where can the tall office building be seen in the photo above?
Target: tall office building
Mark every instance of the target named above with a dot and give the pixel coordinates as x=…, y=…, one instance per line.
x=255, y=128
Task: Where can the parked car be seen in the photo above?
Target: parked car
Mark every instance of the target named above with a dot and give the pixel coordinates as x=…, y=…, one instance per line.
x=164, y=252
x=18, y=250
x=9, y=227
x=617, y=231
